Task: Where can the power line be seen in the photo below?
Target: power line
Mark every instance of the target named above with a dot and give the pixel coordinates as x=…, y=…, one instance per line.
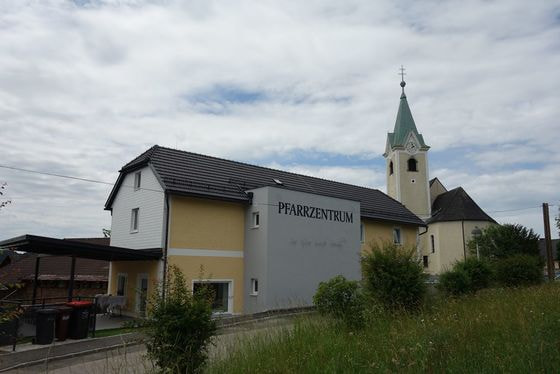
x=518, y=209
x=73, y=178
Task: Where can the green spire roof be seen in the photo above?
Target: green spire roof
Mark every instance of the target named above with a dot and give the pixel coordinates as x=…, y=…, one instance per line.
x=404, y=125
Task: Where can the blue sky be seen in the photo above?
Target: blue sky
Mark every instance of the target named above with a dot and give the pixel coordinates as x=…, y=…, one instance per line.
x=311, y=87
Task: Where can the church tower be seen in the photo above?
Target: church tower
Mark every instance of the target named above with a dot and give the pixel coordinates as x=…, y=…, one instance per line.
x=407, y=162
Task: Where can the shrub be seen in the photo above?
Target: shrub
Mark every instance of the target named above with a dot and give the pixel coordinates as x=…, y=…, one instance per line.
x=341, y=299
x=479, y=272
x=519, y=270
x=394, y=276
x=179, y=327
x=455, y=282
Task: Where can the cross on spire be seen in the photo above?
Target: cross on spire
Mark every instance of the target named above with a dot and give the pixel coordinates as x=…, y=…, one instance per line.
x=402, y=74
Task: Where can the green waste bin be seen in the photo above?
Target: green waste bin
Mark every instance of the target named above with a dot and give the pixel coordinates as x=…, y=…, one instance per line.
x=79, y=319
x=44, y=325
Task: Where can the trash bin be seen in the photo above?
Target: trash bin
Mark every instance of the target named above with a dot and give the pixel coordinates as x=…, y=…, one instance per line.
x=79, y=319
x=44, y=328
x=62, y=322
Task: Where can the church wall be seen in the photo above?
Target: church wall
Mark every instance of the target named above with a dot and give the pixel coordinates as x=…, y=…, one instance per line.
x=436, y=189
x=414, y=195
x=381, y=232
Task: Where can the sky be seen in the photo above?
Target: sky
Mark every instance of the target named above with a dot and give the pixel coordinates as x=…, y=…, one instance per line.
x=305, y=86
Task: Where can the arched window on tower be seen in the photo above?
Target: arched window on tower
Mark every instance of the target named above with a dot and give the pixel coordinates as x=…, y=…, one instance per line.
x=412, y=164
x=391, y=168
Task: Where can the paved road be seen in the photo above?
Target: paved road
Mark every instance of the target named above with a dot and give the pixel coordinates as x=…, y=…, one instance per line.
x=130, y=360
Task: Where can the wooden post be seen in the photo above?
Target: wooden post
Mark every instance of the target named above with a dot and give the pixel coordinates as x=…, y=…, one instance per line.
x=548, y=242
x=36, y=278
x=71, y=283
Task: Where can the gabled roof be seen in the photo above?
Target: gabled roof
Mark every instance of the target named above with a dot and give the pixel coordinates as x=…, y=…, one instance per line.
x=194, y=174
x=457, y=205
x=404, y=125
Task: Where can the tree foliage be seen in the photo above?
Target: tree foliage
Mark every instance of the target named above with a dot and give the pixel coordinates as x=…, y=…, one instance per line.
x=3, y=201
x=180, y=327
x=519, y=270
x=501, y=241
x=341, y=299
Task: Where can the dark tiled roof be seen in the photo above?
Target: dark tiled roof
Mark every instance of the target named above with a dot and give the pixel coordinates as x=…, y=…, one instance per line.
x=457, y=205
x=53, y=268
x=194, y=174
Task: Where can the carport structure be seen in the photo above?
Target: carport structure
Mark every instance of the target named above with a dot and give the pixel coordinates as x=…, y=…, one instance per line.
x=74, y=249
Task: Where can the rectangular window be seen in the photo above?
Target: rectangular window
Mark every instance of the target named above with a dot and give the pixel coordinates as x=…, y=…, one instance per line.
x=433, y=243
x=425, y=260
x=220, y=292
x=256, y=219
x=121, y=284
x=362, y=233
x=254, y=286
x=134, y=220
x=397, y=236
x=137, y=180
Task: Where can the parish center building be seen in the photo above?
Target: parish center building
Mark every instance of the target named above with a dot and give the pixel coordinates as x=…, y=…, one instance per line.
x=263, y=239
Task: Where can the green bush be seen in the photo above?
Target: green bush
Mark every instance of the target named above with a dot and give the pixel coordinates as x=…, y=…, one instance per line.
x=455, y=282
x=519, y=270
x=479, y=272
x=501, y=241
x=394, y=276
x=341, y=299
x=179, y=327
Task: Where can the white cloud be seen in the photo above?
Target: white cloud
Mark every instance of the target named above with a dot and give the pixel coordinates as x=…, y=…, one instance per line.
x=86, y=86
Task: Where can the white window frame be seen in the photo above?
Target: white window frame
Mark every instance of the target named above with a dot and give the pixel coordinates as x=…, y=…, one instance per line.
x=125, y=285
x=362, y=233
x=256, y=220
x=134, y=220
x=231, y=287
x=400, y=241
x=137, y=180
x=254, y=287
x=139, y=278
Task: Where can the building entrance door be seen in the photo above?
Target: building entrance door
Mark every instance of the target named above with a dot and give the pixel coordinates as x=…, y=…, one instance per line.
x=142, y=294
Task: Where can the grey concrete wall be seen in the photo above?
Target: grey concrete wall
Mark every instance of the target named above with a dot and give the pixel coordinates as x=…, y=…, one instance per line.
x=292, y=252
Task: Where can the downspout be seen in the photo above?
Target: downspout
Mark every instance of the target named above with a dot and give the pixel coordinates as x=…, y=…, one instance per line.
x=164, y=281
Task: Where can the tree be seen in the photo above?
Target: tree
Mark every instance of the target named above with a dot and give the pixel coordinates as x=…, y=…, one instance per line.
x=501, y=241
x=3, y=202
x=106, y=233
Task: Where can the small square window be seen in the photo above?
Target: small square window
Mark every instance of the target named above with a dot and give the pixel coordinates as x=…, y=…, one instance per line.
x=397, y=239
x=254, y=286
x=134, y=220
x=137, y=180
x=256, y=219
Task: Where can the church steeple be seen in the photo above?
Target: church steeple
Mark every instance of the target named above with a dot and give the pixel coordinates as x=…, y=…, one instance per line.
x=407, y=161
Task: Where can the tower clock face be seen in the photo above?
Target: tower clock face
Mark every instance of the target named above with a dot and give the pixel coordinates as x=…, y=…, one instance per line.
x=411, y=147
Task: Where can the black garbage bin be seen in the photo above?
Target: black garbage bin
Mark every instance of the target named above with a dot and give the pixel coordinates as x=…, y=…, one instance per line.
x=63, y=322
x=79, y=319
x=44, y=327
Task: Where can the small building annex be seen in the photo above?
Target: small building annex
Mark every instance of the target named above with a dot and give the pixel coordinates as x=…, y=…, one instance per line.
x=262, y=238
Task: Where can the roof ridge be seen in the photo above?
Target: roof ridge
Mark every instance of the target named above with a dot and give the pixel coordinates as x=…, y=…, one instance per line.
x=268, y=168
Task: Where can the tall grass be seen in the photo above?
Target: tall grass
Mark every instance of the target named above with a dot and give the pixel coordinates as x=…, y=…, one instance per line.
x=496, y=330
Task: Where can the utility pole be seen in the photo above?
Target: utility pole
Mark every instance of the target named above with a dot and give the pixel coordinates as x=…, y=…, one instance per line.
x=548, y=242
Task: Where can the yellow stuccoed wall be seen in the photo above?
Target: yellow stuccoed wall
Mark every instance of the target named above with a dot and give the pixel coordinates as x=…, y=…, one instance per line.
x=210, y=225
x=380, y=232
x=206, y=224
x=132, y=269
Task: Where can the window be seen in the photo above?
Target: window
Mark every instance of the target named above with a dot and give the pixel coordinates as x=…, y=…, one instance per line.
x=433, y=243
x=362, y=233
x=397, y=236
x=425, y=261
x=134, y=220
x=391, y=168
x=137, y=180
x=223, y=297
x=254, y=286
x=256, y=219
x=412, y=164
x=121, y=284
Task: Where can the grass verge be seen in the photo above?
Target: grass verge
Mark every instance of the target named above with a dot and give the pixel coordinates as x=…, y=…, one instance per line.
x=496, y=330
